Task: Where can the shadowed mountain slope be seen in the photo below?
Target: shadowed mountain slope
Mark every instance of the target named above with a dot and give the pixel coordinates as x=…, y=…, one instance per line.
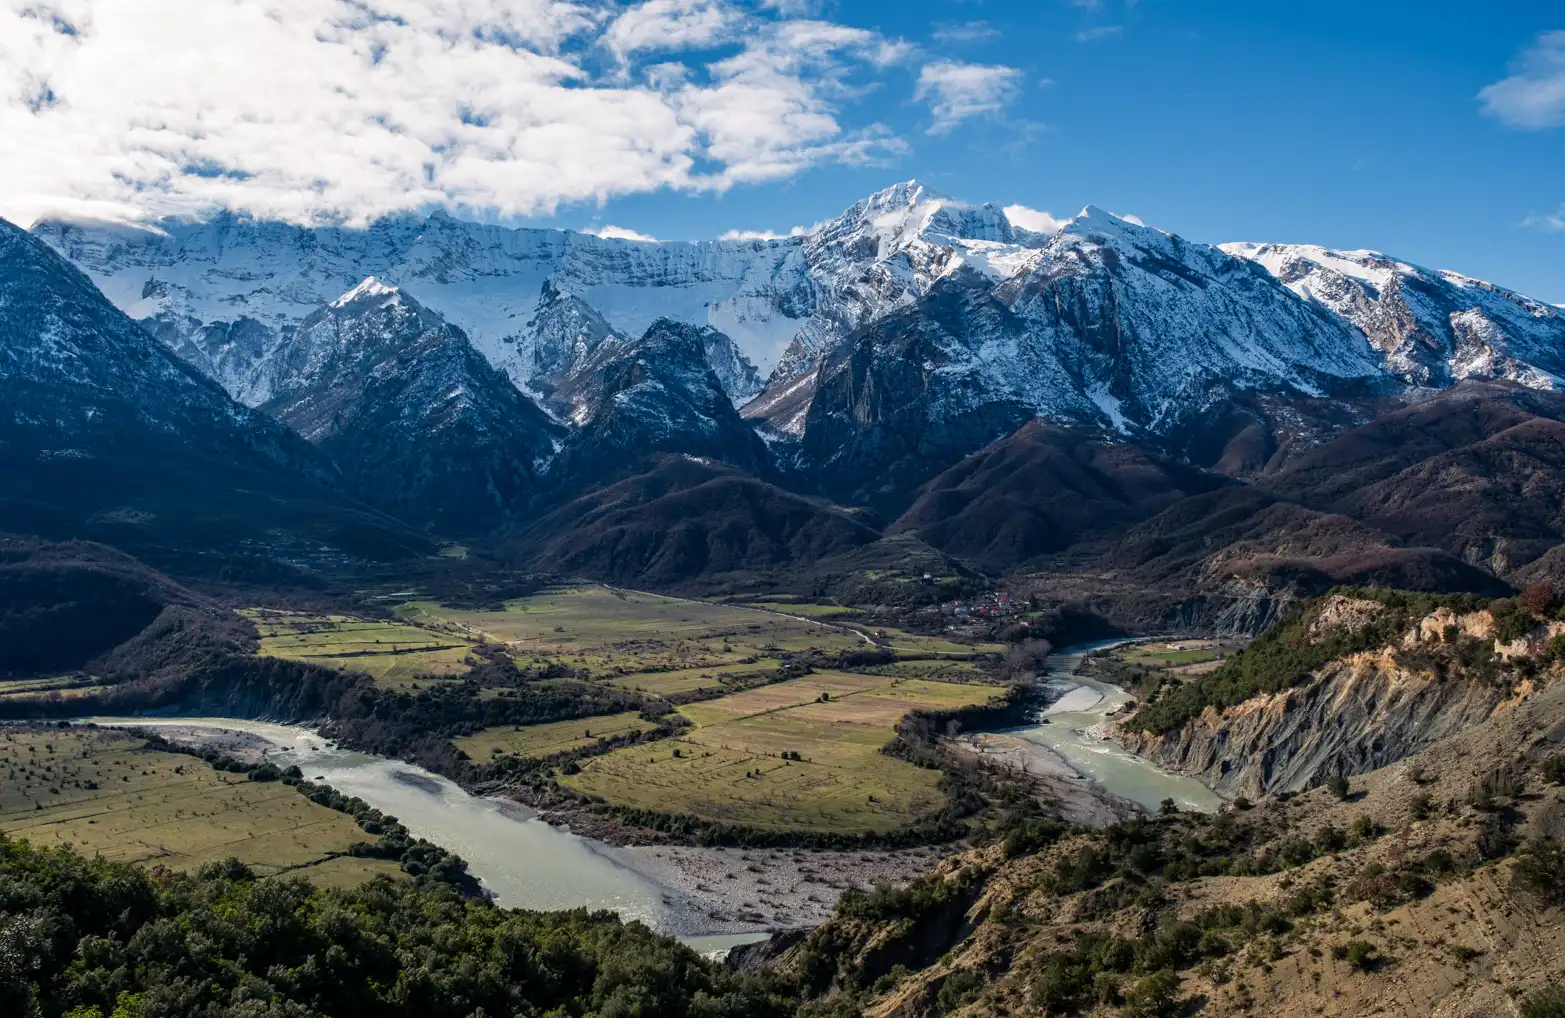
x=418, y=421
x=105, y=434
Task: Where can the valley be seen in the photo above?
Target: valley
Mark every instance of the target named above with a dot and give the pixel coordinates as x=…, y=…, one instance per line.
x=947, y=618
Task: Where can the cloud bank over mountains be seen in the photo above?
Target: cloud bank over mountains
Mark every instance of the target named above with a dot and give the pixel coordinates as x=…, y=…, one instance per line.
x=345, y=110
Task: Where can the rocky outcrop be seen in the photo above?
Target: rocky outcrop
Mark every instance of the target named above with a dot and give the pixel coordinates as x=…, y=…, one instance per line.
x=1356, y=714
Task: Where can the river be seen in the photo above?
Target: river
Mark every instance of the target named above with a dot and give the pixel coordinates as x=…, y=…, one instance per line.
x=523, y=861
x=1065, y=727
x=526, y=863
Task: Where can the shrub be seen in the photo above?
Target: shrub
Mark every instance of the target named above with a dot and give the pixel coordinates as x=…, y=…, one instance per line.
x=1557, y=647
x=1540, y=872
x=1553, y=768
x=1339, y=787
x=1029, y=838
x=1511, y=620
x=1064, y=985
x=959, y=989
x=1548, y=1002
x=1156, y=996
x=1360, y=954
x=1539, y=600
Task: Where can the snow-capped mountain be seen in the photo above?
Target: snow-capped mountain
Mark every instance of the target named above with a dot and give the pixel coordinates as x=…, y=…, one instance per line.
x=1433, y=327
x=226, y=294
x=104, y=433
x=1109, y=325
x=420, y=423
x=658, y=394
x=1138, y=320
x=909, y=322
x=74, y=369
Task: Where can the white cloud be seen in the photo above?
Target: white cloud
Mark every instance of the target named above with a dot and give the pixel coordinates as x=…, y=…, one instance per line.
x=1101, y=32
x=346, y=110
x=1033, y=219
x=1534, y=94
x=966, y=34
x=958, y=91
x=792, y=8
x=1131, y=218
x=797, y=231
x=619, y=233
x=1552, y=222
x=667, y=25
x=770, y=110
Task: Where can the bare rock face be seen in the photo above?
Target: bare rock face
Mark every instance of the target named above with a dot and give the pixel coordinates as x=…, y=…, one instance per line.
x=1359, y=712
x=422, y=425
x=658, y=395
x=1433, y=327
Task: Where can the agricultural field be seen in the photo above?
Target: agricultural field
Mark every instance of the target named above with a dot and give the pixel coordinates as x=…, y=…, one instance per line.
x=634, y=640
x=106, y=794
x=539, y=741
x=939, y=669
x=731, y=766
x=693, y=680
x=47, y=690
x=907, y=644
x=804, y=610
x=393, y=653
x=1183, y=656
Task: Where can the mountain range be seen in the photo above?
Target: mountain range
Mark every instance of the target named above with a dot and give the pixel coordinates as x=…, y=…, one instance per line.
x=917, y=369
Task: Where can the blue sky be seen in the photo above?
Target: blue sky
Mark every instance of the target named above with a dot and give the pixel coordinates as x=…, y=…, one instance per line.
x=1349, y=124
x=1432, y=130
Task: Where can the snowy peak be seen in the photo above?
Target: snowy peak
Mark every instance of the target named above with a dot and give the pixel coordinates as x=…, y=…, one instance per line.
x=422, y=424
x=658, y=395
x=904, y=215
x=903, y=195
x=1433, y=327
x=566, y=331
x=1097, y=228
x=1104, y=297
x=370, y=289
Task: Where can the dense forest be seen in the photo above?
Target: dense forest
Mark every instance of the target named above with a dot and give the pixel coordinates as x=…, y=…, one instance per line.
x=95, y=939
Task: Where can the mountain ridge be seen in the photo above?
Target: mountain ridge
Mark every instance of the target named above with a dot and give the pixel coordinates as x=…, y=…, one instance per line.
x=228, y=294
x=106, y=434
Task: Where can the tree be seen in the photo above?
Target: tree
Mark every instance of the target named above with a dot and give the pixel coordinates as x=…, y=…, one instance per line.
x=1156, y=996
x=1539, y=600
x=1540, y=872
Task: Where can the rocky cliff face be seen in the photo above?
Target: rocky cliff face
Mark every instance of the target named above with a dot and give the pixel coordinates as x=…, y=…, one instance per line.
x=657, y=395
x=1434, y=327
x=1363, y=711
x=422, y=425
